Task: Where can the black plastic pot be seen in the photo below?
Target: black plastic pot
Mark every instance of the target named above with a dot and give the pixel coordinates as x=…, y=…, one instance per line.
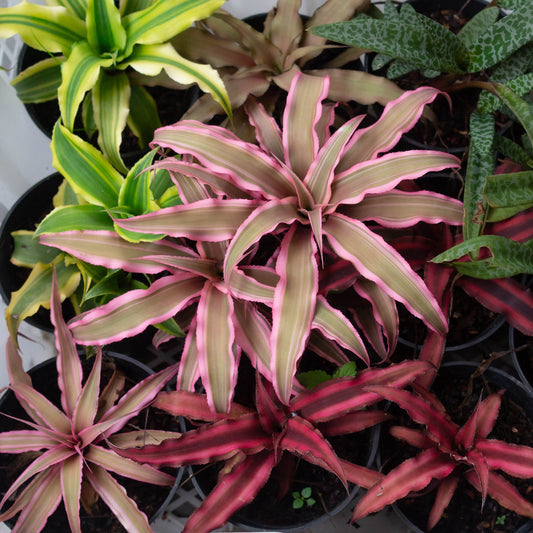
x=46, y=114
x=44, y=379
x=522, y=356
x=496, y=379
x=26, y=214
x=246, y=517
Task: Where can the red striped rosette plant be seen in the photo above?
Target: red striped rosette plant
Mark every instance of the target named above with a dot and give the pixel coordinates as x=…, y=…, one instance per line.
x=72, y=460
x=253, y=441
x=315, y=194
x=448, y=454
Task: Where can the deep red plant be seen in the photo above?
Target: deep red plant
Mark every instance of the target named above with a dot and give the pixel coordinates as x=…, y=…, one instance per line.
x=449, y=453
x=252, y=442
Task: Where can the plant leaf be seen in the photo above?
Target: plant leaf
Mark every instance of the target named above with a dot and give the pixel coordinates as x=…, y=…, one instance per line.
x=352, y=241
x=49, y=28
x=71, y=478
x=130, y=313
x=114, y=495
x=412, y=475
x=293, y=307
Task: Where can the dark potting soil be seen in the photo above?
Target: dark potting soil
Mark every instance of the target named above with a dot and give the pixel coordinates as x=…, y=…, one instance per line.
x=98, y=519
x=270, y=511
x=464, y=514
x=468, y=319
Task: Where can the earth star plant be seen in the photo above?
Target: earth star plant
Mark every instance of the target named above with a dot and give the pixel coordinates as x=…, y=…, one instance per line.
x=450, y=453
x=100, y=46
x=313, y=191
x=70, y=441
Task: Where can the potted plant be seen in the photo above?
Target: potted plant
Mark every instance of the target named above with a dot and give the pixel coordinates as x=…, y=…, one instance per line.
x=462, y=441
x=259, y=56
x=314, y=207
x=85, y=194
x=101, y=50
x=253, y=441
x=64, y=450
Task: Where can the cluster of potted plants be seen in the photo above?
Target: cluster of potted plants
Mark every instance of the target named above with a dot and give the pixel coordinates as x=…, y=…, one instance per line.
x=286, y=235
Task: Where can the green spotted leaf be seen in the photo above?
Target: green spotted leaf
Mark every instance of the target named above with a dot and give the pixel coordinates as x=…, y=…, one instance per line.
x=502, y=39
x=507, y=257
x=480, y=165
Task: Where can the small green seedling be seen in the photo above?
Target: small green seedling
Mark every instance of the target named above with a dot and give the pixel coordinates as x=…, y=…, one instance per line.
x=302, y=498
x=500, y=520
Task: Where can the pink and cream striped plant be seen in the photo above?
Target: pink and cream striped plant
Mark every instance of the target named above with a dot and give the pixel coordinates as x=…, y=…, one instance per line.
x=70, y=443
x=252, y=442
x=315, y=192
x=450, y=453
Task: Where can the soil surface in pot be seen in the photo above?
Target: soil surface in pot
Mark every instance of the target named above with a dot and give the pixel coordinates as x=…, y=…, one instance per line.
x=271, y=511
x=464, y=515
x=149, y=498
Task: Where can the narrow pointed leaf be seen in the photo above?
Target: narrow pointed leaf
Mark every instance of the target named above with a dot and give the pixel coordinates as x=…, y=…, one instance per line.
x=218, y=151
x=129, y=314
x=210, y=220
x=233, y=491
x=383, y=174
x=71, y=478
x=85, y=168
x=444, y=495
x=69, y=370
x=50, y=28
x=412, y=475
x=379, y=262
x=79, y=74
x=302, y=439
x=294, y=306
x=302, y=112
x=214, y=339
x=114, y=495
x=105, y=33
x=333, y=324
x=111, y=103
x=397, y=209
x=150, y=60
x=112, y=462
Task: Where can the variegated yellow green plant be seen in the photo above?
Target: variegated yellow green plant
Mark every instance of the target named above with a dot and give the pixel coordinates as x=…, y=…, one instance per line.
x=100, y=49
x=92, y=193
x=316, y=197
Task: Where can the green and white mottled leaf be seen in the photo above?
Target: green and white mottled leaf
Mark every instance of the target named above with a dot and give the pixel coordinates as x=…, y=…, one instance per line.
x=426, y=44
x=507, y=257
x=518, y=106
x=489, y=102
x=478, y=25
x=480, y=165
x=510, y=190
x=502, y=39
x=49, y=28
x=40, y=81
x=80, y=74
